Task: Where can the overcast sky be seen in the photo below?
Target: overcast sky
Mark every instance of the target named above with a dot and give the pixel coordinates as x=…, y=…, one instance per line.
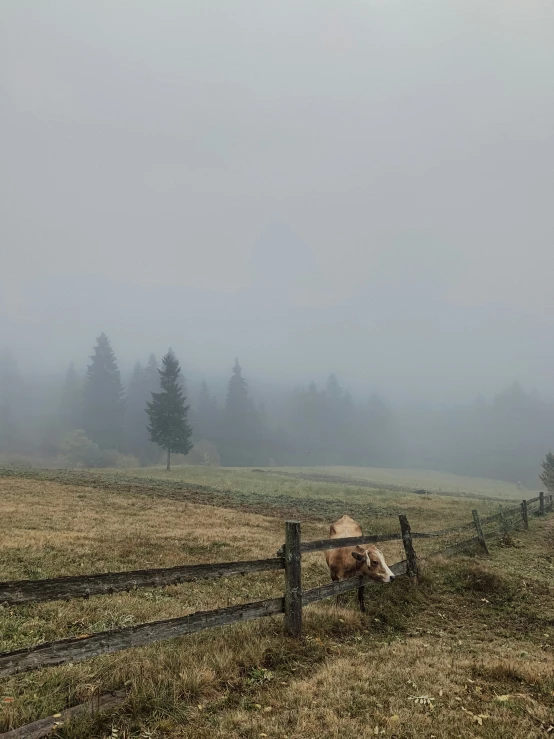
x=315, y=185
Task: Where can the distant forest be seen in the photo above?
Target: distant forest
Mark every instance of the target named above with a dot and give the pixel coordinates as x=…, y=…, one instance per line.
x=97, y=419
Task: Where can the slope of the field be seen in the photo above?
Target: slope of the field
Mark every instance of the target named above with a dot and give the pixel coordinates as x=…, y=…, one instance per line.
x=431, y=480
x=340, y=478
x=474, y=636
x=284, y=494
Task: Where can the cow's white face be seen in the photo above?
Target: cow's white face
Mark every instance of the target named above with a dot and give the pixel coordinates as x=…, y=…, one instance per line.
x=371, y=563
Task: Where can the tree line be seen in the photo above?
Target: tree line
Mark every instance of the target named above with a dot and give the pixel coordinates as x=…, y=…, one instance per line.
x=98, y=419
x=100, y=423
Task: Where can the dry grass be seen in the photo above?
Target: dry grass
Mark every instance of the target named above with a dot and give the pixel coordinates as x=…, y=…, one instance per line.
x=474, y=636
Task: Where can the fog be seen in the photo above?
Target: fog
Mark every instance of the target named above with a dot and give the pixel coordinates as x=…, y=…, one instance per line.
x=356, y=187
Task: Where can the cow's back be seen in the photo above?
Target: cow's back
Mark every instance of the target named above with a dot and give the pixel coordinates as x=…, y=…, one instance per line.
x=340, y=561
x=345, y=527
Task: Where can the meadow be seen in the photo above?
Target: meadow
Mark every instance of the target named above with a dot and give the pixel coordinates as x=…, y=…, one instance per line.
x=470, y=647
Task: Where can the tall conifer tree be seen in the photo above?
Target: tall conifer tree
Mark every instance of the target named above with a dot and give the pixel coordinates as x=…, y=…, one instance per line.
x=242, y=443
x=71, y=403
x=144, y=381
x=168, y=411
x=104, y=398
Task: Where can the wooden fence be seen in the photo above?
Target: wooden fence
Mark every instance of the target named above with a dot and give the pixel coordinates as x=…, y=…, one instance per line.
x=289, y=559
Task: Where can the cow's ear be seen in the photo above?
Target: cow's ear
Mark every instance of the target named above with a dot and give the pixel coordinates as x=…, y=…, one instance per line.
x=358, y=556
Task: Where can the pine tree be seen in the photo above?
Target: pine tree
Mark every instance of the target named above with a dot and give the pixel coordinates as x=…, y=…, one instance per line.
x=135, y=419
x=242, y=432
x=167, y=412
x=104, y=398
x=144, y=381
x=547, y=476
x=152, y=375
x=206, y=415
x=71, y=401
x=237, y=404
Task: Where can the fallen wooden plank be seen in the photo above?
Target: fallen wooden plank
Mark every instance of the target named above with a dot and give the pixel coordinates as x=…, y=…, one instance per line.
x=78, y=649
x=45, y=726
x=19, y=592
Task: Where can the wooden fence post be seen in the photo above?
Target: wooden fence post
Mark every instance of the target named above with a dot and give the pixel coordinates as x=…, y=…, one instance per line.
x=504, y=522
x=541, y=504
x=551, y=498
x=412, y=568
x=524, y=515
x=293, y=580
x=479, y=530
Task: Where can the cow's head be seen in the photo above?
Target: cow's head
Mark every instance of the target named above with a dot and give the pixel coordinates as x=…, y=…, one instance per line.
x=371, y=563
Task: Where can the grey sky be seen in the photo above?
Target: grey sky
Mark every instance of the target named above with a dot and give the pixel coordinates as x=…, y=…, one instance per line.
x=359, y=187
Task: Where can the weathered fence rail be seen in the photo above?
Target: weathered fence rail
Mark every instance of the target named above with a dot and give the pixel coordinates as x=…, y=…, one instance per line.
x=20, y=592
x=289, y=559
x=78, y=649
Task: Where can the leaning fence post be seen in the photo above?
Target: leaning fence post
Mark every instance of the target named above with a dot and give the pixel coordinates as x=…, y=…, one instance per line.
x=551, y=498
x=293, y=580
x=412, y=568
x=524, y=516
x=504, y=522
x=541, y=504
x=479, y=530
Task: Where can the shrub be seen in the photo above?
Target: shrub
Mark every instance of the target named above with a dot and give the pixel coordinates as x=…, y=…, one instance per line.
x=80, y=451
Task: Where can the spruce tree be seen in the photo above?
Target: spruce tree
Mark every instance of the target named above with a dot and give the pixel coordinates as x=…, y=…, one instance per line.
x=151, y=375
x=104, y=398
x=168, y=411
x=237, y=404
x=71, y=401
x=144, y=381
x=150, y=453
x=242, y=443
x=135, y=420
x=206, y=415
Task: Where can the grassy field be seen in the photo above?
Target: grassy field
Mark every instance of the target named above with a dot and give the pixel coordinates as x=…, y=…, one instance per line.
x=428, y=479
x=475, y=636
x=340, y=477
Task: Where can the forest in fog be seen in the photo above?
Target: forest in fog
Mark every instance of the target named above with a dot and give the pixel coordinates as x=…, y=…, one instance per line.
x=93, y=415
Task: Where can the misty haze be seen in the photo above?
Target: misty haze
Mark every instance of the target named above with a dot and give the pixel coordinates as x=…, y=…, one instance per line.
x=354, y=189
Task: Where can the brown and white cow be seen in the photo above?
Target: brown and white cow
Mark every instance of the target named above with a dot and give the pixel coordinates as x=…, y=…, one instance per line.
x=364, y=559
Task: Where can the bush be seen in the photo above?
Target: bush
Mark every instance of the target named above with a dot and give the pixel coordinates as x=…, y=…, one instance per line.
x=80, y=451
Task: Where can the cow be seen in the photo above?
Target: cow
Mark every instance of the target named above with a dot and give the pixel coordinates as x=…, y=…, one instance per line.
x=364, y=560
